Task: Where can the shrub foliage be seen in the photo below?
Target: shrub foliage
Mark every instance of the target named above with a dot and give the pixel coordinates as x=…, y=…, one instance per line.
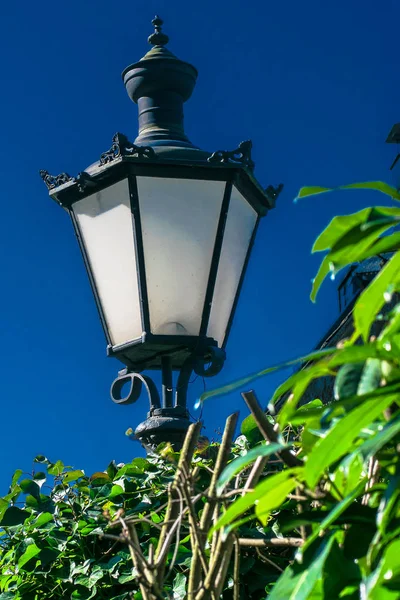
x=305, y=504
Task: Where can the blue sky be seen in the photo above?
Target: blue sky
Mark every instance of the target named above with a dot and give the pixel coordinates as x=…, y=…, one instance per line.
x=315, y=86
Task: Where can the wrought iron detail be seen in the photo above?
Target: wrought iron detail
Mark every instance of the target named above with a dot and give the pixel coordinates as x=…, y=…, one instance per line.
x=158, y=38
x=273, y=192
x=84, y=181
x=54, y=181
x=121, y=146
x=166, y=422
x=241, y=155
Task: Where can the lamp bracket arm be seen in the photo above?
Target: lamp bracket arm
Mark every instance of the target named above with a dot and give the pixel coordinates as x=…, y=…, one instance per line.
x=136, y=382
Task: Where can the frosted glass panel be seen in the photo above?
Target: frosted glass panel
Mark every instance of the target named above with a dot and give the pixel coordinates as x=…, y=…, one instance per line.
x=105, y=223
x=238, y=230
x=179, y=223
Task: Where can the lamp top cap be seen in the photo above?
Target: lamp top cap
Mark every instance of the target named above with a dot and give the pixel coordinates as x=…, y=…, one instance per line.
x=158, y=38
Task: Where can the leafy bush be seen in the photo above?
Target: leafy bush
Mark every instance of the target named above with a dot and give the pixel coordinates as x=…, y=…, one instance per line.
x=304, y=505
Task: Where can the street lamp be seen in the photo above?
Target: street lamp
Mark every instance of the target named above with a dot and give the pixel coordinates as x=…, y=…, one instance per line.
x=165, y=231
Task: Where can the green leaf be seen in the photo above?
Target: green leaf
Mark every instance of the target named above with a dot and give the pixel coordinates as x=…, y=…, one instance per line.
x=14, y=516
x=116, y=490
x=372, y=298
x=43, y=519
x=15, y=477
x=353, y=246
x=31, y=551
x=137, y=467
x=28, y=486
x=299, y=383
x=347, y=380
x=82, y=593
x=380, y=439
x=179, y=587
x=382, y=584
x=40, y=459
x=241, y=462
x=349, y=230
x=307, y=412
x=377, y=186
x=388, y=504
x=297, y=583
x=273, y=498
x=242, y=504
x=342, y=435
x=333, y=515
x=3, y=507
x=73, y=476
x=100, y=476
x=323, y=272
x=39, y=478
x=249, y=428
x=226, y=389
x=56, y=468
x=370, y=377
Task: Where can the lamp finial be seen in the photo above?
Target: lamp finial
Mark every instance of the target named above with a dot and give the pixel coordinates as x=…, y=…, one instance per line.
x=158, y=38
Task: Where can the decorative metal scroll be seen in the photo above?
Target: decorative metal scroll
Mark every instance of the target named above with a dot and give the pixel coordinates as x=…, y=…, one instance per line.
x=84, y=181
x=241, y=155
x=136, y=382
x=121, y=146
x=53, y=181
x=273, y=192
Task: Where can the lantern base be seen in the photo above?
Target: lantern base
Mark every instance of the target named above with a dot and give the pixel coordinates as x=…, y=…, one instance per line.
x=168, y=425
x=168, y=418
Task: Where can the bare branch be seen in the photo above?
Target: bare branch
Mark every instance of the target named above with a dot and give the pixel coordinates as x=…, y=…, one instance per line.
x=267, y=429
x=271, y=542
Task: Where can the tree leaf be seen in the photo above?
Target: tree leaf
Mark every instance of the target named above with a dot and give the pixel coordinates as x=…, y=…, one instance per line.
x=226, y=389
x=297, y=582
x=242, y=504
x=323, y=271
x=333, y=515
x=28, y=486
x=376, y=442
x=349, y=230
x=377, y=186
x=249, y=429
x=372, y=298
x=31, y=551
x=347, y=380
x=179, y=587
x=273, y=498
x=14, y=516
x=43, y=519
x=241, y=462
x=40, y=459
x=73, y=476
x=56, y=468
x=342, y=435
x=39, y=478
x=380, y=585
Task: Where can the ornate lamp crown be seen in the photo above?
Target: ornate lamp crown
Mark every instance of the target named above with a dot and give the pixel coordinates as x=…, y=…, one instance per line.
x=158, y=38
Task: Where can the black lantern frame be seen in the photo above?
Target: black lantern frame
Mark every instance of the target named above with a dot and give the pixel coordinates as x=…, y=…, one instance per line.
x=160, y=83
x=147, y=351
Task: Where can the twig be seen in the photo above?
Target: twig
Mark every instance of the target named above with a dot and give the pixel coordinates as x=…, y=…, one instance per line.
x=271, y=542
x=267, y=429
x=172, y=513
x=236, y=572
x=268, y=560
x=373, y=468
x=255, y=473
x=207, y=515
